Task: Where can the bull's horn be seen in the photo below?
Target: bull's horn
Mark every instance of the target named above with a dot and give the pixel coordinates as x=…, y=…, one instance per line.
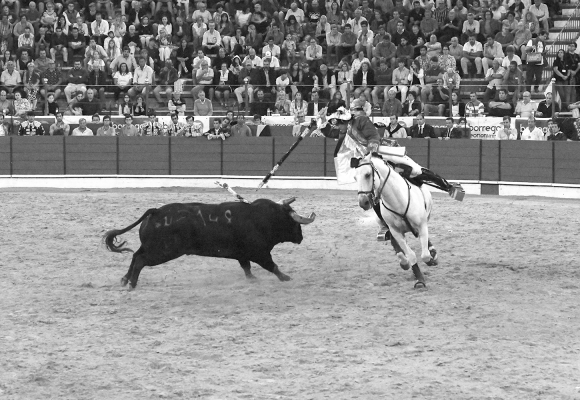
x=289, y=201
x=303, y=220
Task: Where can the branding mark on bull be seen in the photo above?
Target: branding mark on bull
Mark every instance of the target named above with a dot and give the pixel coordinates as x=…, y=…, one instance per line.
x=215, y=219
x=201, y=216
x=228, y=215
x=168, y=223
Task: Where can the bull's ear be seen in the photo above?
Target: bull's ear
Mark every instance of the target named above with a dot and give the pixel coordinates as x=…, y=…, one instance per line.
x=287, y=202
x=354, y=162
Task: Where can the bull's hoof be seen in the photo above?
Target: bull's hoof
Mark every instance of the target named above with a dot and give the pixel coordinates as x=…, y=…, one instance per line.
x=124, y=281
x=284, y=277
x=250, y=277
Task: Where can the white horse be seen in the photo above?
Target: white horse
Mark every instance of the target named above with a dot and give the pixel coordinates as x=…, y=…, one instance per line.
x=404, y=207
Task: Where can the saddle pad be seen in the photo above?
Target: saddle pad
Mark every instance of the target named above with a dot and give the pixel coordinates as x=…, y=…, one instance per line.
x=392, y=151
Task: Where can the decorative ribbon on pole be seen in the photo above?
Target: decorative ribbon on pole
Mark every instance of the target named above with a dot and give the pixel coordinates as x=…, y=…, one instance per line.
x=279, y=163
x=232, y=191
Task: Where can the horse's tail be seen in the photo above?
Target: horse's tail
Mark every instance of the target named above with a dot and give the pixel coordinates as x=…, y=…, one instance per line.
x=110, y=237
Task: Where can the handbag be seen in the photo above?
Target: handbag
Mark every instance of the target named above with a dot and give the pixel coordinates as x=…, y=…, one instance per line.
x=535, y=57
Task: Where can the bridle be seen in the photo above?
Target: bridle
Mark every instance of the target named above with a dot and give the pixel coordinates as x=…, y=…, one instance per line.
x=374, y=198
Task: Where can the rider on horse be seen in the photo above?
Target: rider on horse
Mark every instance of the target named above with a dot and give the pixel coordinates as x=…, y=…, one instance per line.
x=363, y=131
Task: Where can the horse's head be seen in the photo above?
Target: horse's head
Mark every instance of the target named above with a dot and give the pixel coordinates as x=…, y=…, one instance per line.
x=366, y=174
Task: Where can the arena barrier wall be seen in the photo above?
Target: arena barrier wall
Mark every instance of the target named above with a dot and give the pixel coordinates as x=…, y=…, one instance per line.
x=172, y=161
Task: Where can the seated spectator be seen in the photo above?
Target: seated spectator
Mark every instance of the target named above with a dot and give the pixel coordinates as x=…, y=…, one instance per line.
x=315, y=105
x=142, y=79
x=260, y=106
x=76, y=44
x=129, y=129
x=401, y=80
x=433, y=47
x=416, y=78
x=492, y=50
x=344, y=79
x=326, y=81
x=176, y=128
x=347, y=43
x=77, y=81
x=240, y=129
x=216, y=131
x=30, y=127
x=365, y=40
x=383, y=82
x=421, y=130
x=314, y=54
x=526, y=107
x=531, y=132
x=501, y=107
x=494, y=77
x=31, y=81
x=126, y=106
x=283, y=104
x=364, y=81
x=437, y=100
x=451, y=79
x=123, y=80
x=211, y=40
x=175, y=105
x=139, y=108
x=472, y=53
x=333, y=42
x=392, y=106
x=451, y=131
x=82, y=129
x=6, y=106
x=395, y=130
x=474, y=107
x=361, y=104
x=505, y=131
x=335, y=103
x=546, y=106
x=59, y=128
x=412, y=107
x=75, y=106
x=224, y=80
x=152, y=127
x=107, y=129
x=21, y=105
x=555, y=133
x=10, y=78
x=167, y=77
x=90, y=105
x=298, y=110
x=457, y=108
x=505, y=37
x=125, y=58
x=404, y=52
x=432, y=72
x=97, y=79
x=202, y=106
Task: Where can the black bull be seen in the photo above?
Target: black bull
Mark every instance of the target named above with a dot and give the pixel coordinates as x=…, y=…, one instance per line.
x=241, y=231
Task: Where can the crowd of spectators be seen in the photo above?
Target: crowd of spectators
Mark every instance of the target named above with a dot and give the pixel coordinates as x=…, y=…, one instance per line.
x=288, y=57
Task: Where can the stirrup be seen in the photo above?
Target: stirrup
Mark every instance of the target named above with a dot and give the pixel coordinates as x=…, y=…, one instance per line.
x=457, y=192
x=384, y=235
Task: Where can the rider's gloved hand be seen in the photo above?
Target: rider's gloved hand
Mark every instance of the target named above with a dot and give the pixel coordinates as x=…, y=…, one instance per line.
x=373, y=147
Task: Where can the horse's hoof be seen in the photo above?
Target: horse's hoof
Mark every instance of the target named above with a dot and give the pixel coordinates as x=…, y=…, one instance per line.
x=432, y=263
x=124, y=281
x=433, y=253
x=405, y=267
x=403, y=262
x=420, y=285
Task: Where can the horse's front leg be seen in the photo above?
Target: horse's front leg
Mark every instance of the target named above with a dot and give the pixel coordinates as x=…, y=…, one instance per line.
x=405, y=254
x=424, y=239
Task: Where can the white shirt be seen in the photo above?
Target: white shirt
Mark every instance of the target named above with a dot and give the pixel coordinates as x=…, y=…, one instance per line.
x=298, y=14
x=78, y=132
x=467, y=47
x=275, y=50
x=506, y=61
x=142, y=76
x=256, y=62
x=535, y=134
x=123, y=79
x=274, y=62
x=211, y=38
x=100, y=29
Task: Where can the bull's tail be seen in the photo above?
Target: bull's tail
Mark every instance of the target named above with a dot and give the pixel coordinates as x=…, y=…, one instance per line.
x=110, y=237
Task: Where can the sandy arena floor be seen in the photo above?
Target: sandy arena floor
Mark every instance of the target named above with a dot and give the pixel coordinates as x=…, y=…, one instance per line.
x=500, y=318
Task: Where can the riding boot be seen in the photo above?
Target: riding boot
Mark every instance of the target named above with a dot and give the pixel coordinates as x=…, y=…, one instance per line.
x=432, y=177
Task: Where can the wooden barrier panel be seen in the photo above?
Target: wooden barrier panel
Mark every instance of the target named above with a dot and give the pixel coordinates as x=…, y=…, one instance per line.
x=490, y=160
x=38, y=155
x=143, y=155
x=307, y=159
x=417, y=149
x=248, y=156
x=195, y=156
x=526, y=161
x=5, y=155
x=455, y=159
x=330, y=146
x=566, y=162
x=95, y=155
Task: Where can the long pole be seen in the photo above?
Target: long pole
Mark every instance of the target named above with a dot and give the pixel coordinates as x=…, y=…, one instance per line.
x=284, y=157
x=232, y=191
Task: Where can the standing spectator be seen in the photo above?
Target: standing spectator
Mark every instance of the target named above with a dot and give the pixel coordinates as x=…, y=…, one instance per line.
x=535, y=68
x=107, y=129
x=456, y=50
x=474, y=107
x=562, y=75
x=202, y=106
x=573, y=61
x=472, y=52
x=532, y=132
x=77, y=81
x=142, y=79
x=545, y=107
x=526, y=107
x=10, y=78
x=505, y=131
x=30, y=127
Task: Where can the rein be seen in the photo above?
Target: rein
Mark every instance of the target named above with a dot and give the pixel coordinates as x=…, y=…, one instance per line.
x=375, y=199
